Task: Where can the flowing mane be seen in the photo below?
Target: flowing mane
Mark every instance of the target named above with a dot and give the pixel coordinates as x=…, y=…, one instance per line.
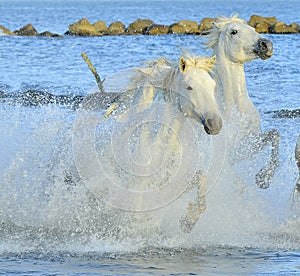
x=162, y=71
x=199, y=62
x=218, y=27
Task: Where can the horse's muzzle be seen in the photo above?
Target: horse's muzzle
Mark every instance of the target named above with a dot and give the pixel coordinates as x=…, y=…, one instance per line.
x=213, y=126
x=264, y=48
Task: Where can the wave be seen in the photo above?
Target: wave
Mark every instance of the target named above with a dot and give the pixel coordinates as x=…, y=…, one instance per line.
x=285, y=113
x=40, y=98
x=32, y=97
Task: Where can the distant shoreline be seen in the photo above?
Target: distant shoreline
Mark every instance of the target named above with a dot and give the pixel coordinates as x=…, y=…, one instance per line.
x=147, y=27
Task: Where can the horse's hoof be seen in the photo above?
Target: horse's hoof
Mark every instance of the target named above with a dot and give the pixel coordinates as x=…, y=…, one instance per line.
x=260, y=183
x=263, y=178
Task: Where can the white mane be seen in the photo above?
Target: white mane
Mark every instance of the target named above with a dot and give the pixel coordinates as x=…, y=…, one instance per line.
x=199, y=62
x=218, y=27
x=162, y=72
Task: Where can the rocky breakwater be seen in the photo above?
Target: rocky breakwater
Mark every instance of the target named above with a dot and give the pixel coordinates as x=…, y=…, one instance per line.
x=272, y=25
x=84, y=27
x=139, y=27
x=27, y=30
x=148, y=27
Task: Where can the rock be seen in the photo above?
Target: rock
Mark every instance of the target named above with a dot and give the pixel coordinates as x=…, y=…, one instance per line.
x=27, y=30
x=256, y=19
x=184, y=27
x=156, y=29
x=191, y=27
x=205, y=25
x=176, y=29
x=296, y=26
x=116, y=28
x=282, y=28
x=139, y=26
x=82, y=28
x=259, y=23
x=49, y=34
x=100, y=27
x=6, y=31
x=262, y=27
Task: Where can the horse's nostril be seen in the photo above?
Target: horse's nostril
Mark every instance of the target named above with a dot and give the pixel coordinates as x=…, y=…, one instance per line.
x=263, y=45
x=207, y=130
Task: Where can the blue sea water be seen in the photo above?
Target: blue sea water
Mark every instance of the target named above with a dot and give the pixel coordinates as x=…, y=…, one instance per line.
x=49, y=228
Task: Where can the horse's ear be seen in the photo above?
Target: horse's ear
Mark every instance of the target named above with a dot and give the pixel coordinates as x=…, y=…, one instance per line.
x=182, y=64
x=213, y=61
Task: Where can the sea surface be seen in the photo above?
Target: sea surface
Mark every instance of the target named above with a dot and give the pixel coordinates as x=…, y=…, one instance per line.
x=51, y=225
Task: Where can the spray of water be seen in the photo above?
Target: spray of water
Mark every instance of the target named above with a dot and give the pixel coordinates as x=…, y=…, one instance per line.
x=78, y=182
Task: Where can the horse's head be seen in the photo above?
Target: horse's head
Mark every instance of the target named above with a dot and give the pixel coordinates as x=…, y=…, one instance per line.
x=198, y=100
x=189, y=87
x=238, y=41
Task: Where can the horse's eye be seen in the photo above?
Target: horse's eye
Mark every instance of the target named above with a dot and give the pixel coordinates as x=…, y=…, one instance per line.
x=189, y=88
x=234, y=32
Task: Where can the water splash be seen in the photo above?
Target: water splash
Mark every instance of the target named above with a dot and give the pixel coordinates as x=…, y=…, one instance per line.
x=46, y=206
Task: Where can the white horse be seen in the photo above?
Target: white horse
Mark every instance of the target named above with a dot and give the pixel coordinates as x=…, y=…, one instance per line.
x=235, y=43
x=188, y=88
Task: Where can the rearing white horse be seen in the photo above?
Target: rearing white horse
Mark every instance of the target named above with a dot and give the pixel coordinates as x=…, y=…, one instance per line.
x=234, y=43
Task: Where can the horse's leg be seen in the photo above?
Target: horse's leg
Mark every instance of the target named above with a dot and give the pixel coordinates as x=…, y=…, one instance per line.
x=196, y=208
x=142, y=152
x=263, y=178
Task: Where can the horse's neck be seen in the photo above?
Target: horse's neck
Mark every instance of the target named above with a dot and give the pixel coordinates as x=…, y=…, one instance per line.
x=232, y=95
